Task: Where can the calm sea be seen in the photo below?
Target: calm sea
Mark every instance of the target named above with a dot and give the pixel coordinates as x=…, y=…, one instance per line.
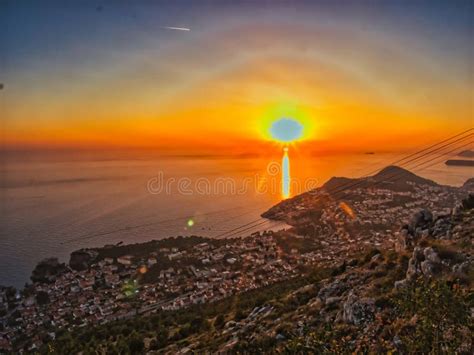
x=50, y=207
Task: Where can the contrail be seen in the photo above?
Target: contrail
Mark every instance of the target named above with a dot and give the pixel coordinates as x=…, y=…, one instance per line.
x=177, y=28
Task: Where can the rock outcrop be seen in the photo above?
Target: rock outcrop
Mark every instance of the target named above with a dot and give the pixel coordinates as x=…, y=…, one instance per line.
x=357, y=310
x=334, y=289
x=428, y=261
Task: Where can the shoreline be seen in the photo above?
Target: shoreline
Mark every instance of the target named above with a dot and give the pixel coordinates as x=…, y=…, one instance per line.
x=64, y=259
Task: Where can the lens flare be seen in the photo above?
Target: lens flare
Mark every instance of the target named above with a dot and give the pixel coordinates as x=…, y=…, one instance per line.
x=347, y=210
x=130, y=288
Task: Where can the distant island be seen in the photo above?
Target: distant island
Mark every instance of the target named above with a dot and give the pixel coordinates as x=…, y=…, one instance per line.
x=459, y=162
x=466, y=154
x=462, y=162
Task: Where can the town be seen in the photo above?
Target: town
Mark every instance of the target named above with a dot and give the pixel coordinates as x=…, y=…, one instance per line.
x=114, y=288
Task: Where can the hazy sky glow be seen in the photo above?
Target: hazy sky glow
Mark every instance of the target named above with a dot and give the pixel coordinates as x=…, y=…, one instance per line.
x=100, y=74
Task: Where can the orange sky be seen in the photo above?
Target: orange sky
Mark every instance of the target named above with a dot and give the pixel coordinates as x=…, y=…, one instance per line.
x=356, y=88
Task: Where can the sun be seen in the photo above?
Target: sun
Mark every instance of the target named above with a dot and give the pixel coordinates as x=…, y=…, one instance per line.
x=286, y=130
x=285, y=123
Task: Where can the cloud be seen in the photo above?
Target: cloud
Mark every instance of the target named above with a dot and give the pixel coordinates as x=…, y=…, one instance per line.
x=176, y=28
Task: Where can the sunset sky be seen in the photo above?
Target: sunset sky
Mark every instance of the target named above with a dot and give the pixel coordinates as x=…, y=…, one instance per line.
x=368, y=76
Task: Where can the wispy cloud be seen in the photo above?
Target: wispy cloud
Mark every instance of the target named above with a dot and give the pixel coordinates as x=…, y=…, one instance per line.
x=177, y=28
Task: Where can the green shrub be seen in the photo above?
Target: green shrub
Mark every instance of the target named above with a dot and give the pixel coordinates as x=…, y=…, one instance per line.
x=437, y=317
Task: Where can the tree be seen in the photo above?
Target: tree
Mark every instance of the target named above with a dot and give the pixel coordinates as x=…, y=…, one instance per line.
x=239, y=315
x=219, y=322
x=441, y=317
x=42, y=298
x=136, y=345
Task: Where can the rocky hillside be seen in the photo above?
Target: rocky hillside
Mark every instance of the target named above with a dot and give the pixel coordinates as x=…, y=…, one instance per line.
x=415, y=298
